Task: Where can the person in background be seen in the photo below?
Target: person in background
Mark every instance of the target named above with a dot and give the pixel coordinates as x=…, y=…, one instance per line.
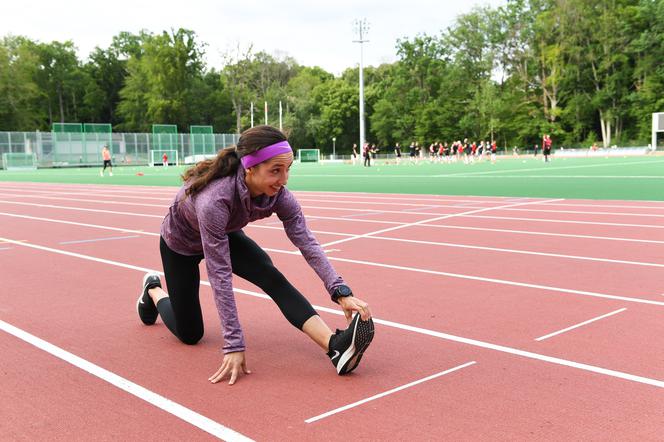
x=106, y=156
x=546, y=147
x=397, y=152
x=366, y=153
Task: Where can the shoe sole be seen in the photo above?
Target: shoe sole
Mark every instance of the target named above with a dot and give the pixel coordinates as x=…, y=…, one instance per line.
x=363, y=333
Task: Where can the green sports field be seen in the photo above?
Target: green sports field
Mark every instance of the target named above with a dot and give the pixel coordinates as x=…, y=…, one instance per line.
x=624, y=178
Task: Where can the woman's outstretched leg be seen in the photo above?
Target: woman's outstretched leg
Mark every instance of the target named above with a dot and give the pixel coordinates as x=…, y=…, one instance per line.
x=344, y=348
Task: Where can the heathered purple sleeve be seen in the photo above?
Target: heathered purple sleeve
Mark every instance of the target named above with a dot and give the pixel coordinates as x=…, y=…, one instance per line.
x=212, y=220
x=290, y=214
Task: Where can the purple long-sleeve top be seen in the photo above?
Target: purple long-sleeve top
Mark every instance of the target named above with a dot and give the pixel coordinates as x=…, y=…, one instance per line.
x=199, y=225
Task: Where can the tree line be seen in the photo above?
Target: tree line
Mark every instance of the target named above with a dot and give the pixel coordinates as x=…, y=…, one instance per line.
x=580, y=70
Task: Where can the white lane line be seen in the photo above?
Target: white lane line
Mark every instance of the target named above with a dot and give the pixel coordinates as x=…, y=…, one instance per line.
x=586, y=212
x=413, y=210
x=81, y=209
x=487, y=229
x=358, y=220
x=110, y=238
x=569, y=203
x=362, y=214
x=519, y=252
x=562, y=235
x=84, y=200
x=563, y=221
x=420, y=330
x=191, y=417
x=420, y=207
x=438, y=218
x=549, y=169
x=550, y=335
x=74, y=223
x=500, y=281
x=359, y=196
x=590, y=177
x=390, y=266
x=386, y=393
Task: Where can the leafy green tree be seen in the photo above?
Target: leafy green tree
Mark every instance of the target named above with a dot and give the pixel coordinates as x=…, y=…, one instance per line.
x=19, y=93
x=158, y=88
x=59, y=79
x=105, y=73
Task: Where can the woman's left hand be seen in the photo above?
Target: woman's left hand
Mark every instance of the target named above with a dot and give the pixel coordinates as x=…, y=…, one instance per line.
x=352, y=304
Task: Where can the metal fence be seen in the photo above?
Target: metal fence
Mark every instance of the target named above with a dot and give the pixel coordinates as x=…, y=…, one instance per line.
x=84, y=149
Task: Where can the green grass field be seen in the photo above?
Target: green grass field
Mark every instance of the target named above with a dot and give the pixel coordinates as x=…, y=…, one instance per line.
x=625, y=178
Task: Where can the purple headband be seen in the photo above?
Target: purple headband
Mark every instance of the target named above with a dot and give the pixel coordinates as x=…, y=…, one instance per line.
x=250, y=160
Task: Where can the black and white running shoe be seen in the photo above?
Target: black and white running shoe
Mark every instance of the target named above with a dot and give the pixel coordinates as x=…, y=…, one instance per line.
x=347, y=346
x=145, y=307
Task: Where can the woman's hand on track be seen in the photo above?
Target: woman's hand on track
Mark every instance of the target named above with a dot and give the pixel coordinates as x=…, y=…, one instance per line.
x=352, y=304
x=233, y=364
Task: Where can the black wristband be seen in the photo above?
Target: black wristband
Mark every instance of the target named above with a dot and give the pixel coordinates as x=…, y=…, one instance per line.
x=341, y=291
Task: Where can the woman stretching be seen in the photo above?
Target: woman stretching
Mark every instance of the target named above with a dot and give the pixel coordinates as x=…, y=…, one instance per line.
x=219, y=197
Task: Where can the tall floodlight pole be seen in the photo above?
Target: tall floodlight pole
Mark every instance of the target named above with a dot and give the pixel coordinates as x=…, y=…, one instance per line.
x=252, y=114
x=361, y=29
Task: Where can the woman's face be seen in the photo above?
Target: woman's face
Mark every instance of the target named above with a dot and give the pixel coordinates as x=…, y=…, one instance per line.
x=269, y=176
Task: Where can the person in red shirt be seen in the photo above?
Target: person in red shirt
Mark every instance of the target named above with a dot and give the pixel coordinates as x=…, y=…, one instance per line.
x=106, y=156
x=546, y=147
x=164, y=160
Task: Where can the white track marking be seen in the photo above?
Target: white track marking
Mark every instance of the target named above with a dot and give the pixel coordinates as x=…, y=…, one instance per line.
x=522, y=252
x=363, y=214
x=502, y=281
x=562, y=221
x=557, y=177
x=75, y=223
x=562, y=235
x=550, y=335
x=438, y=218
x=171, y=190
x=378, y=221
x=110, y=238
x=413, y=210
x=83, y=200
x=56, y=194
x=191, y=417
x=420, y=330
x=387, y=393
x=404, y=268
x=612, y=206
x=583, y=212
x=502, y=250
x=81, y=209
x=548, y=169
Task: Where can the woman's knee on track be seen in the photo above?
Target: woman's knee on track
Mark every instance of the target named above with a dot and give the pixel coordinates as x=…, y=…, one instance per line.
x=190, y=337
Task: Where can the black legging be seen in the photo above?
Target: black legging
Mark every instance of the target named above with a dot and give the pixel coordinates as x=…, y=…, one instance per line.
x=181, y=311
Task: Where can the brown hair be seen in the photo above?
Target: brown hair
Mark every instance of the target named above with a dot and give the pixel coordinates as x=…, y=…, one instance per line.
x=228, y=160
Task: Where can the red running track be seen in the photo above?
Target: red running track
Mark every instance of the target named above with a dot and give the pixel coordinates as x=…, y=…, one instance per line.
x=467, y=287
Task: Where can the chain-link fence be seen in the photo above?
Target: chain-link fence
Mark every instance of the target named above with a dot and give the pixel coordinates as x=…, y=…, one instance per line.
x=84, y=149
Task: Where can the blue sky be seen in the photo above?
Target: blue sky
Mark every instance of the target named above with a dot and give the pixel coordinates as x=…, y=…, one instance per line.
x=312, y=32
